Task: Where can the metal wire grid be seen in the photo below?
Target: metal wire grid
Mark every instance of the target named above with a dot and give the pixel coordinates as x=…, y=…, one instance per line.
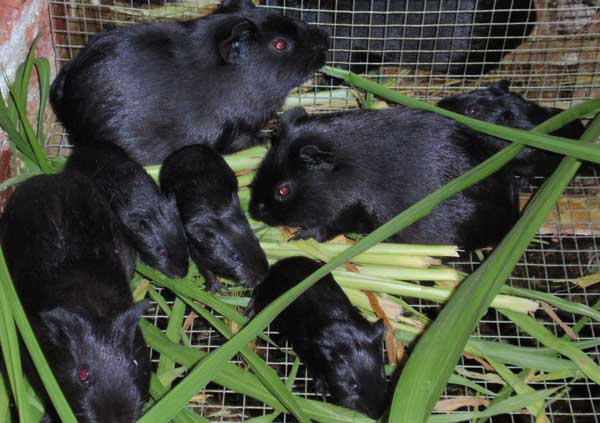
x=548, y=265
x=557, y=65
x=571, y=250
x=545, y=74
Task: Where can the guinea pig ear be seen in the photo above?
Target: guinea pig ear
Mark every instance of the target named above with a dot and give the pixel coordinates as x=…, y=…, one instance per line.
x=315, y=158
x=126, y=322
x=240, y=5
x=64, y=325
x=503, y=85
x=290, y=118
x=378, y=331
x=229, y=48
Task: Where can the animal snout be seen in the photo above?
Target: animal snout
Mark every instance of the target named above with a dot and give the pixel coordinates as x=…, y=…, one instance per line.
x=257, y=271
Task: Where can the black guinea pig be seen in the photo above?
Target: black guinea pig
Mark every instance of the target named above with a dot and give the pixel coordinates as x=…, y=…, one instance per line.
x=156, y=87
x=496, y=104
x=353, y=171
x=65, y=256
x=220, y=239
x=150, y=220
x=342, y=351
x=442, y=36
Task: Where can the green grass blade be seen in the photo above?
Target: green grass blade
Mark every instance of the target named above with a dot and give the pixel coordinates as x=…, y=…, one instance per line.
x=10, y=127
x=525, y=357
x=35, y=144
x=535, y=408
x=158, y=390
x=41, y=365
x=435, y=355
x=565, y=146
x=9, y=342
x=562, y=346
x=165, y=364
x=511, y=404
x=15, y=180
x=460, y=380
x=42, y=67
x=561, y=303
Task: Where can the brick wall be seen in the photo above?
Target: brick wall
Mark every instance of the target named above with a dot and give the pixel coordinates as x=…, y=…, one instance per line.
x=20, y=22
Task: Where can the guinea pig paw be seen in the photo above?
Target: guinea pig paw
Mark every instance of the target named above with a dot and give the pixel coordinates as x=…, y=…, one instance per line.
x=320, y=388
x=213, y=285
x=319, y=233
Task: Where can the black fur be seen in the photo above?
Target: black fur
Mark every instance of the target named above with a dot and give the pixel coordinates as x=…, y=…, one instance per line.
x=219, y=236
x=451, y=37
x=341, y=349
x=150, y=220
x=65, y=256
x=353, y=171
x=156, y=87
x=496, y=104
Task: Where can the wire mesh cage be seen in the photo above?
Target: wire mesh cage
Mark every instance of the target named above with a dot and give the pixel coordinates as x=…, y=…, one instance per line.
x=548, y=49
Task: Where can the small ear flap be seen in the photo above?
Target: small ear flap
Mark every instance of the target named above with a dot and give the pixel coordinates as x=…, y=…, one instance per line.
x=290, y=118
x=64, y=325
x=313, y=157
x=238, y=5
x=503, y=85
x=230, y=47
x=126, y=322
x=378, y=331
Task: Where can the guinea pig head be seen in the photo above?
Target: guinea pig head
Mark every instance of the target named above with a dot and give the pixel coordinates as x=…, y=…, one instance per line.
x=354, y=370
x=160, y=236
x=223, y=243
x=101, y=364
x=276, y=50
x=495, y=104
x=294, y=185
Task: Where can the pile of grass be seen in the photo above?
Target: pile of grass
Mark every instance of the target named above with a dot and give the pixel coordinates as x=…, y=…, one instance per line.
x=377, y=277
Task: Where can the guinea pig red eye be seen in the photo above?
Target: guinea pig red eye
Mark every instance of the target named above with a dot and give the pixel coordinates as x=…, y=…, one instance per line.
x=162, y=252
x=284, y=190
x=280, y=44
x=472, y=110
x=84, y=375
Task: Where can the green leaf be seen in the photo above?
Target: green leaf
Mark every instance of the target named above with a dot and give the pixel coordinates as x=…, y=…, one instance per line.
x=562, y=346
x=8, y=294
x=43, y=70
x=561, y=303
x=9, y=343
x=565, y=146
x=509, y=405
x=15, y=180
x=165, y=364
